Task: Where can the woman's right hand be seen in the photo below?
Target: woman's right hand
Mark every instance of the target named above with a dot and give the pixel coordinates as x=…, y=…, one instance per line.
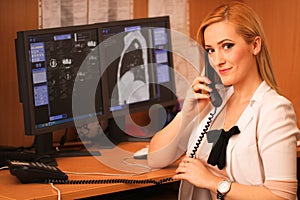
x=196, y=98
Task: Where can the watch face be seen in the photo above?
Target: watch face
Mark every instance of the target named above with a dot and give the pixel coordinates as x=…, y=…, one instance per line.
x=224, y=187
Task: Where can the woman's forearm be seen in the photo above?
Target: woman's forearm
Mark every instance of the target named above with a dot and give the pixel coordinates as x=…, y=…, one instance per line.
x=168, y=144
x=246, y=192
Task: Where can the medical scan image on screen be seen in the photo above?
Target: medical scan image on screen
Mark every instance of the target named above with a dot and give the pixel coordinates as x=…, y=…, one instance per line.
x=143, y=60
x=132, y=77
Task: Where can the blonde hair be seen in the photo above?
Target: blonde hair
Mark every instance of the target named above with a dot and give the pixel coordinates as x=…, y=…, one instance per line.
x=248, y=25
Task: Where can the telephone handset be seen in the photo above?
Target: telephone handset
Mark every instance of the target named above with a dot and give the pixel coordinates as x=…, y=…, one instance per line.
x=215, y=97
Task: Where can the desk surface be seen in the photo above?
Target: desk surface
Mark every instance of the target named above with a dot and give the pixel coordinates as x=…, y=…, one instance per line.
x=15, y=190
x=11, y=188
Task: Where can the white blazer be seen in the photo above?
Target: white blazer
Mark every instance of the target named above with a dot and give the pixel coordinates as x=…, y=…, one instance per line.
x=265, y=149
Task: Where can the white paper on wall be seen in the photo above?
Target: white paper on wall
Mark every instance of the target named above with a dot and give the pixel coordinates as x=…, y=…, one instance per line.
x=56, y=13
x=186, y=58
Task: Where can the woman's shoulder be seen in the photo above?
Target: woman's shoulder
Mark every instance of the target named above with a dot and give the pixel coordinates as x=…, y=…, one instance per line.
x=270, y=102
x=266, y=96
x=273, y=97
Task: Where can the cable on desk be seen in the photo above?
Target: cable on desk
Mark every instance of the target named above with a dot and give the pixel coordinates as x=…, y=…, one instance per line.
x=136, y=164
x=149, y=169
x=57, y=190
x=104, y=174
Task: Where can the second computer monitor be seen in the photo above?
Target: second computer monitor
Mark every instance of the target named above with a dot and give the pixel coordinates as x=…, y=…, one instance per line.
x=137, y=58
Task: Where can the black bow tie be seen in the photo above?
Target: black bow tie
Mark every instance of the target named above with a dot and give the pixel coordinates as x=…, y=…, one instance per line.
x=217, y=155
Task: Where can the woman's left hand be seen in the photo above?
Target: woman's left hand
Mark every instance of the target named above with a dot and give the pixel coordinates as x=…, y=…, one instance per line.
x=195, y=172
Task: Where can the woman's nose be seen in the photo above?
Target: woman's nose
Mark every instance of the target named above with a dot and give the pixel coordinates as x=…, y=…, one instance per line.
x=218, y=58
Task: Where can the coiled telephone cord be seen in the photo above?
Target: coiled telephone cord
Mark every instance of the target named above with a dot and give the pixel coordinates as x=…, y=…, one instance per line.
x=204, y=131
x=110, y=181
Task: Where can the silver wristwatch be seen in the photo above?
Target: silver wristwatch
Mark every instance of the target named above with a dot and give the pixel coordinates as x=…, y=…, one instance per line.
x=223, y=188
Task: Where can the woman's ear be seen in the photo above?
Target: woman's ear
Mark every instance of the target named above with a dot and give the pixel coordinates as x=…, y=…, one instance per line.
x=256, y=45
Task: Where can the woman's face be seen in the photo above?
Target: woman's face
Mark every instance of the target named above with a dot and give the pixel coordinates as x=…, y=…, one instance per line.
x=232, y=57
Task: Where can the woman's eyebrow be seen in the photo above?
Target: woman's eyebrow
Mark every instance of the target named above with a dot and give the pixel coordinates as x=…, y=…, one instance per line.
x=207, y=46
x=220, y=42
x=225, y=40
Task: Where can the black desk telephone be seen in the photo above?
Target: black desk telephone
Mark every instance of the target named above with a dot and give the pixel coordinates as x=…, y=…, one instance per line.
x=35, y=172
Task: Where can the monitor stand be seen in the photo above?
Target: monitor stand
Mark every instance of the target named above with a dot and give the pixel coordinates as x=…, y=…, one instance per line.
x=44, y=149
x=116, y=134
x=45, y=153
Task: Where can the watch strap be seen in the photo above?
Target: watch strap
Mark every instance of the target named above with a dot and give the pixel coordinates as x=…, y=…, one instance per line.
x=220, y=196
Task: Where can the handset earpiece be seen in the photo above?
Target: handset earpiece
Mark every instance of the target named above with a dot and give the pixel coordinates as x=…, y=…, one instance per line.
x=215, y=97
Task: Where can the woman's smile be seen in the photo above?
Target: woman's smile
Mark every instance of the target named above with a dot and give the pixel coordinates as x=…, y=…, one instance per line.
x=224, y=71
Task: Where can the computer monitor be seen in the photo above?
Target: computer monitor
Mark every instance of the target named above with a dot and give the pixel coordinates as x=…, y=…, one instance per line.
x=137, y=58
x=47, y=63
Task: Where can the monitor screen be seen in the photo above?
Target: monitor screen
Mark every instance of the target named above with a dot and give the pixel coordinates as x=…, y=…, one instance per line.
x=138, y=62
x=48, y=61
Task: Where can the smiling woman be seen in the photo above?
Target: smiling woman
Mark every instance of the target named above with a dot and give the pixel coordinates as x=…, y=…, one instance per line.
x=250, y=163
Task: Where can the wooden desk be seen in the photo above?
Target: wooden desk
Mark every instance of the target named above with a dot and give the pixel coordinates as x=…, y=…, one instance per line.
x=11, y=188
